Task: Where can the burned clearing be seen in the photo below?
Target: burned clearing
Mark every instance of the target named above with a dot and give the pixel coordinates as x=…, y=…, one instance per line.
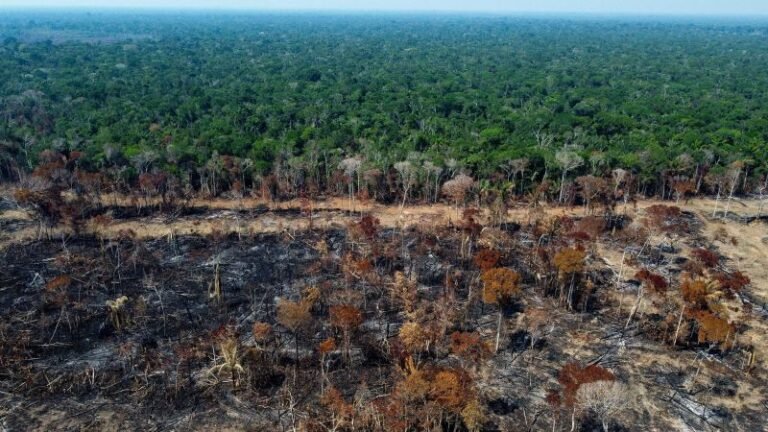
x=551, y=321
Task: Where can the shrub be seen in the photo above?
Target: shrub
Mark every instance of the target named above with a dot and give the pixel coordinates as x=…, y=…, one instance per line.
x=708, y=258
x=486, y=259
x=572, y=376
x=655, y=282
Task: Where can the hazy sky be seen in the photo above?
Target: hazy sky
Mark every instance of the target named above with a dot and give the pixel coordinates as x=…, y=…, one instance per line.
x=731, y=7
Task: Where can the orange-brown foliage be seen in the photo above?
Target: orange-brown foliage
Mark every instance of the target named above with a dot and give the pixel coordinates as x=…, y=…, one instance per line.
x=58, y=282
x=364, y=266
x=346, y=317
x=580, y=236
x=414, y=337
x=334, y=402
x=708, y=258
x=572, y=376
x=655, y=282
x=665, y=218
x=694, y=292
x=369, y=226
x=732, y=282
x=591, y=225
x=293, y=315
x=326, y=346
x=713, y=329
x=469, y=345
x=486, y=259
x=500, y=285
x=469, y=222
x=553, y=398
x=449, y=389
x=570, y=260
x=404, y=291
x=262, y=331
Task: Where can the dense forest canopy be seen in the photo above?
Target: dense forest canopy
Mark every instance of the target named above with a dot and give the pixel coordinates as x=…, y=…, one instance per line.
x=137, y=92
x=203, y=223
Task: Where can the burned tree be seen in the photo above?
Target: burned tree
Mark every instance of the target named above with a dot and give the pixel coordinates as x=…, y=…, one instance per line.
x=295, y=316
x=500, y=287
x=346, y=318
x=570, y=264
x=457, y=189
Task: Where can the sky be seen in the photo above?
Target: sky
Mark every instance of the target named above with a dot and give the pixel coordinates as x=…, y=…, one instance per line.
x=647, y=7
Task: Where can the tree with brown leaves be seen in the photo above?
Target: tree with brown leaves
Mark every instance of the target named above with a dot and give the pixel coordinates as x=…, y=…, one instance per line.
x=473, y=415
x=500, y=286
x=683, y=187
x=714, y=329
x=414, y=338
x=537, y=321
x=706, y=257
x=572, y=377
x=295, y=316
x=732, y=282
x=448, y=389
x=701, y=297
x=346, y=318
x=666, y=219
x=469, y=346
x=569, y=263
x=486, y=259
x=340, y=412
x=324, y=348
x=404, y=292
x=651, y=282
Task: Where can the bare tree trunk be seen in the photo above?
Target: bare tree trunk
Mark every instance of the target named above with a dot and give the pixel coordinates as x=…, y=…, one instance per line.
x=730, y=197
x=717, y=200
x=405, y=198
x=570, y=291
x=679, y=323
x=573, y=420
x=498, y=331
x=562, y=186
x=634, y=308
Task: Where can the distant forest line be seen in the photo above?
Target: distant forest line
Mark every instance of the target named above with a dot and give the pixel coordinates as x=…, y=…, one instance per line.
x=390, y=107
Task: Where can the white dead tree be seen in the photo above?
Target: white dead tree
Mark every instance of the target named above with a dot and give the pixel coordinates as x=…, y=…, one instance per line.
x=618, y=176
x=518, y=167
x=543, y=139
x=451, y=166
x=351, y=168
x=408, y=175
x=144, y=161
x=432, y=182
x=597, y=160
x=457, y=188
x=732, y=177
x=716, y=180
x=606, y=399
x=568, y=161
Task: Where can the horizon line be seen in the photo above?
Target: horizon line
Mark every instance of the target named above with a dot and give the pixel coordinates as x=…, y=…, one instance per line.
x=510, y=12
